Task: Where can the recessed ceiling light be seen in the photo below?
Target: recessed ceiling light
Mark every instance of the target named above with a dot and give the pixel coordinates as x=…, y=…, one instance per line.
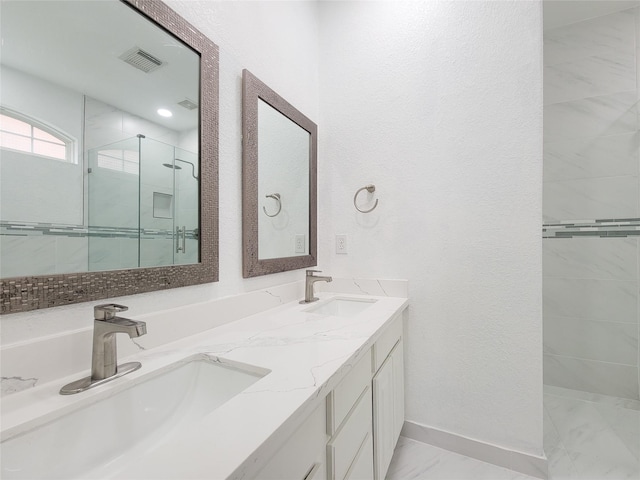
x=163, y=112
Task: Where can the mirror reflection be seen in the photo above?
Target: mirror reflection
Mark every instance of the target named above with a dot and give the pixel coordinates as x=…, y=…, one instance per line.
x=283, y=185
x=99, y=128
x=279, y=191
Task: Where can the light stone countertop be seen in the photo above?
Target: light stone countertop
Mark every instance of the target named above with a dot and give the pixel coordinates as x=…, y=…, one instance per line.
x=307, y=355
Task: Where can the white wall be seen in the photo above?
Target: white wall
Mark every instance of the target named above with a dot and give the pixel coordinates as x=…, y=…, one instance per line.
x=439, y=105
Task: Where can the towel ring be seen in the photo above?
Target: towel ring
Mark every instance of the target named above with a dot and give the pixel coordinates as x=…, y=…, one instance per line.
x=276, y=197
x=369, y=188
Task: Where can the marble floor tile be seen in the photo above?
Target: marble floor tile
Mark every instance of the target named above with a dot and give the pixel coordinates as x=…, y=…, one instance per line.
x=586, y=437
x=590, y=437
x=413, y=460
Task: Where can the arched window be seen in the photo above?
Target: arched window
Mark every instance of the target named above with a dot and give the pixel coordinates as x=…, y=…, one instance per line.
x=22, y=134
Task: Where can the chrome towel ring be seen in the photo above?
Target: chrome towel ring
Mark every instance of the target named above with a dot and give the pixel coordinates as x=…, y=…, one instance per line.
x=276, y=197
x=369, y=188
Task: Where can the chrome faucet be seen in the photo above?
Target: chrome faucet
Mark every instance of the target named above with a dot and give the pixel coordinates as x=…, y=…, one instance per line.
x=104, y=358
x=308, y=286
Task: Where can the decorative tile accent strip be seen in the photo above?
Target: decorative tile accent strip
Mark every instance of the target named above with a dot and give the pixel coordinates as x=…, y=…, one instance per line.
x=622, y=227
x=37, y=229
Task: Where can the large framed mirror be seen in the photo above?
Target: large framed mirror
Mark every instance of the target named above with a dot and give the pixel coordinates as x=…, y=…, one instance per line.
x=279, y=199
x=108, y=152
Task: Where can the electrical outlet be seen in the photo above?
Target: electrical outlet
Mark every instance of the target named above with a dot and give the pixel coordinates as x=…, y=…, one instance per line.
x=341, y=243
x=300, y=244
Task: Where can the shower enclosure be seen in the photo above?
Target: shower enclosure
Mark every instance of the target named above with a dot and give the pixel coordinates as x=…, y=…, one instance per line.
x=591, y=240
x=143, y=208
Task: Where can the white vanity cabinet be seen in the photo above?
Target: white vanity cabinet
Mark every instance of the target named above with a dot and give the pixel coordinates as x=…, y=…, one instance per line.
x=365, y=412
x=388, y=396
x=352, y=435
x=349, y=413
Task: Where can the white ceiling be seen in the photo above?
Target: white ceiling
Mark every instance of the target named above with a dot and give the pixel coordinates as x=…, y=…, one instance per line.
x=77, y=45
x=564, y=12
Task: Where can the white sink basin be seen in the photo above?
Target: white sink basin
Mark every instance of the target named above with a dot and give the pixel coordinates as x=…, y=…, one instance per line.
x=119, y=428
x=341, y=307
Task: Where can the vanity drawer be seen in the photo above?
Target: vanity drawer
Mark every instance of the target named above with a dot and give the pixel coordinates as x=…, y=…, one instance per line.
x=386, y=342
x=303, y=456
x=344, y=396
x=362, y=466
x=343, y=450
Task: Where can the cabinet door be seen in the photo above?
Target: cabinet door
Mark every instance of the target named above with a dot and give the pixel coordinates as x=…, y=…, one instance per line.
x=398, y=390
x=388, y=409
x=383, y=418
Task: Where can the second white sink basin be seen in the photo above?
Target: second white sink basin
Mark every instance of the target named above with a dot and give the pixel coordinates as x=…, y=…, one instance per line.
x=126, y=424
x=341, y=307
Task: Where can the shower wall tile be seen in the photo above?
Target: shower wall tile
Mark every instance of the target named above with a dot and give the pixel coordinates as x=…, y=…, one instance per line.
x=591, y=198
x=106, y=124
x=21, y=255
x=591, y=340
x=593, y=257
x=611, y=156
x=591, y=117
x=589, y=77
x=155, y=252
x=589, y=299
x=591, y=376
x=602, y=36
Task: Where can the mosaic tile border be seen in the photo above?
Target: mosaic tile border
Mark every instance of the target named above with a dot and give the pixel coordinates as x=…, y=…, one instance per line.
x=31, y=293
x=39, y=229
x=622, y=227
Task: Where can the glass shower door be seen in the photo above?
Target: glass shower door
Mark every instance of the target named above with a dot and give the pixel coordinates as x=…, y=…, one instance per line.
x=113, y=205
x=186, y=207
x=157, y=202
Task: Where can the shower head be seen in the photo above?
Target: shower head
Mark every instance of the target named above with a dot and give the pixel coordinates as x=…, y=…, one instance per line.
x=193, y=168
x=172, y=167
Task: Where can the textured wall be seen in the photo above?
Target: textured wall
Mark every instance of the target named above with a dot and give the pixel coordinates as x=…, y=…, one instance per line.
x=439, y=105
x=591, y=161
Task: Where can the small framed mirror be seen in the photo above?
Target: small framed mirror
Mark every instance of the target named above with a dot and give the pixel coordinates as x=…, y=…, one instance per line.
x=279, y=199
x=108, y=152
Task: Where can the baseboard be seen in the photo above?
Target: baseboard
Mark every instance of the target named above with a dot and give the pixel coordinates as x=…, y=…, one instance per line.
x=517, y=461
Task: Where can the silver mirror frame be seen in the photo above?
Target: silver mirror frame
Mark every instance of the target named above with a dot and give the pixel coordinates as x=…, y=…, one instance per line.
x=253, y=90
x=22, y=294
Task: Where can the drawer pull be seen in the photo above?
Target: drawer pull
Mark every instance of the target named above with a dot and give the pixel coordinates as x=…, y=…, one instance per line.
x=312, y=472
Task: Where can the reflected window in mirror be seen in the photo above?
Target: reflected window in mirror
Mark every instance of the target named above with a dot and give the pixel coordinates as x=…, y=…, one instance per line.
x=128, y=106
x=279, y=182
x=19, y=133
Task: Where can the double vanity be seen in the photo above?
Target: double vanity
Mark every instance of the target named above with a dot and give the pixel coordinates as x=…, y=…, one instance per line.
x=294, y=392
x=250, y=386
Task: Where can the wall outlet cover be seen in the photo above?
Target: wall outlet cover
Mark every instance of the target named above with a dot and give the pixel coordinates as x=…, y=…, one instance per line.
x=341, y=243
x=300, y=244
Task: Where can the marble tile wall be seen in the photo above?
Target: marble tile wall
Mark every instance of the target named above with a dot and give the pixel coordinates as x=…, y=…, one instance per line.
x=590, y=119
x=591, y=171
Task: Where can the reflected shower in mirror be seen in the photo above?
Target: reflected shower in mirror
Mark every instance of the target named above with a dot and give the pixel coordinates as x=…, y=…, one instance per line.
x=89, y=122
x=105, y=141
x=279, y=182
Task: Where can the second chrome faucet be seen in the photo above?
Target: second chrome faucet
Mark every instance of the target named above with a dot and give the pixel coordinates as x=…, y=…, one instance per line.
x=310, y=279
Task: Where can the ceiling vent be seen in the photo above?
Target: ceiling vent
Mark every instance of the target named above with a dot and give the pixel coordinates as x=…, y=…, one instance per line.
x=136, y=57
x=188, y=104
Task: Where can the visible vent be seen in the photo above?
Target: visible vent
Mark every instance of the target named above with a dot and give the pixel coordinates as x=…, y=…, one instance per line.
x=188, y=104
x=136, y=57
